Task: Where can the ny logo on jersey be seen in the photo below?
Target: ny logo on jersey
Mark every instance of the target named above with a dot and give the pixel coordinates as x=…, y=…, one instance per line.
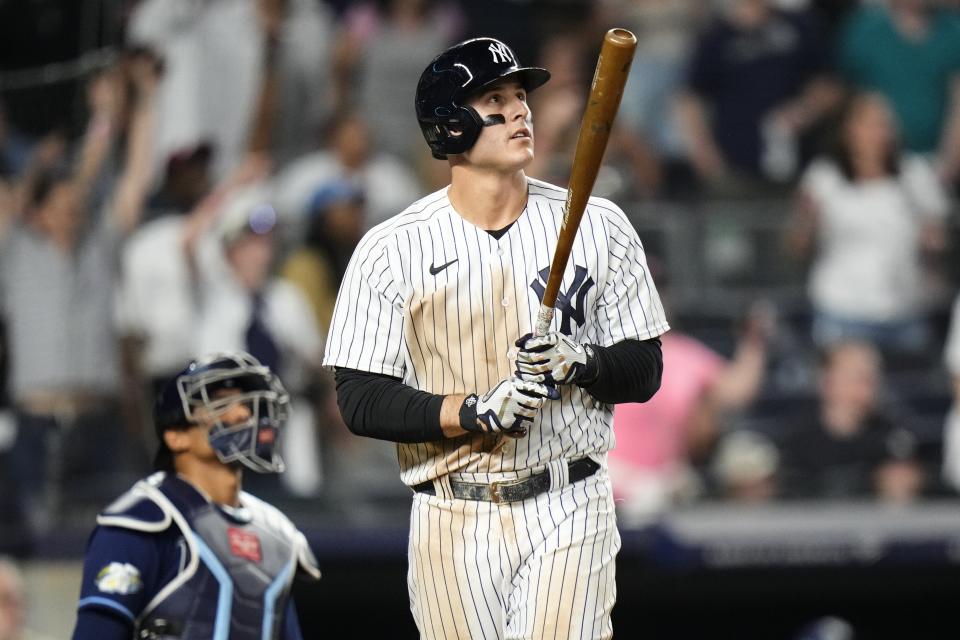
x=570, y=303
x=500, y=52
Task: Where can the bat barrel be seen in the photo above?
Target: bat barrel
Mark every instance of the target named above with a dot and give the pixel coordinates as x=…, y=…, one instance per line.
x=609, y=79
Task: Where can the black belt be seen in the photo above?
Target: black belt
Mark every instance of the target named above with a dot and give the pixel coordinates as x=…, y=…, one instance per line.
x=511, y=490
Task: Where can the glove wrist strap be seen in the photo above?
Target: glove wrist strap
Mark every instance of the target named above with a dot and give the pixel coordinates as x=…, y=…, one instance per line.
x=591, y=369
x=468, y=413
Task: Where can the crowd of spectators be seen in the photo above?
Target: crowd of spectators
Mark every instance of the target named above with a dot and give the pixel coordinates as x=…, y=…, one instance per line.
x=233, y=153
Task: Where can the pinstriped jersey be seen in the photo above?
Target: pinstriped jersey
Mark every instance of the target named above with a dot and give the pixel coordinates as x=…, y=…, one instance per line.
x=434, y=300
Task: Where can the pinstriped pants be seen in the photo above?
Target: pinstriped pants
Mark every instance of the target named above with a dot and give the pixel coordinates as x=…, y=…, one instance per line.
x=540, y=568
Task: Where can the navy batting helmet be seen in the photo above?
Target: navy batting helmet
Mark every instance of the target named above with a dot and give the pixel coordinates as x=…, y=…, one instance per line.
x=452, y=78
x=191, y=397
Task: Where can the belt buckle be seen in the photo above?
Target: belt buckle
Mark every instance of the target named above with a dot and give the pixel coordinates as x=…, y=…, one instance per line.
x=496, y=485
x=495, y=491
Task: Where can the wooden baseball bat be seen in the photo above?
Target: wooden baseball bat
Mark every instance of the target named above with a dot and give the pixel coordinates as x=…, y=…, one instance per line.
x=613, y=66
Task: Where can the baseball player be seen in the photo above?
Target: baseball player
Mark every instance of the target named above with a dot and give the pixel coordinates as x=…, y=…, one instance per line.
x=185, y=554
x=502, y=437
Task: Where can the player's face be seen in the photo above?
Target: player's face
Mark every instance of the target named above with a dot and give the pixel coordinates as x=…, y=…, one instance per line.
x=234, y=413
x=507, y=146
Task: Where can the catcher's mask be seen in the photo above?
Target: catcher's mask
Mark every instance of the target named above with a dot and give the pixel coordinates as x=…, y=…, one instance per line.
x=448, y=124
x=194, y=396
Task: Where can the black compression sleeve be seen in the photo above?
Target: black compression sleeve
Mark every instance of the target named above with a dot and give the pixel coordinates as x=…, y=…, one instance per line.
x=628, y=371
x=382, y=407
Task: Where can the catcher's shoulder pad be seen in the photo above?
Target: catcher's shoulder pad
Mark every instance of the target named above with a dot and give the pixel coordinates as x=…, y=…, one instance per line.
x=268, y=515
x=137, y=510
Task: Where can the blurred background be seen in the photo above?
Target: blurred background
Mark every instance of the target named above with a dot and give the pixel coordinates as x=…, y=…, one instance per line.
x=179, y=176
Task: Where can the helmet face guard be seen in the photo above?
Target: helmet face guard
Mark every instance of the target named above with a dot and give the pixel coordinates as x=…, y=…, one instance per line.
x=253, y=442
x=452, y=78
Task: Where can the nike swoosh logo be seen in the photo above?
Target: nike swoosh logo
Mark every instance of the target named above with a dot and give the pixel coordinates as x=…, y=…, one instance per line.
x=435, y=270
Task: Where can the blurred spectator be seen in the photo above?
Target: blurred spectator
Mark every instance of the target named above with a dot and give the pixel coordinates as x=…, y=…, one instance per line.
x=745, y=467
x=47, y=154
x=336, y=220
x=157, y=312
x=12, y=605
x=559, y=107
x=867, y=214
x=335, y=224
x=658, y=441
x=158, y=303
x=215, y=54
x=243, y=307
x=909, y=50
x=14, y=536
x=14, y=148
x=359, y=473
x=385, y=45
x=386, y=181
x=757, y=82
x=833, y=16
x=57, y=274
x=665, y=30
x=157, y=298
x=951, y=440
x=522, y=23
x=187, y=178
x=846, y=446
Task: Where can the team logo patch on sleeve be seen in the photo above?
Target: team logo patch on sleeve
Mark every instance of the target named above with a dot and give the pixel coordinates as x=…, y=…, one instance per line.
x=121, y=578
x=244, y=544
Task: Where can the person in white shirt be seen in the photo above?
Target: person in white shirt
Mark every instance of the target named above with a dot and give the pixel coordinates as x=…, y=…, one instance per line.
x=868, y=214
x=244, y=307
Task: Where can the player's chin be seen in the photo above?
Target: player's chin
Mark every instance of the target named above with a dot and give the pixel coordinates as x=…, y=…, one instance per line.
x=520, y=155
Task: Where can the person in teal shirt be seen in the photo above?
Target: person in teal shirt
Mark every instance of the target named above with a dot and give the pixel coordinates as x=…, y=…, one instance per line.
x=909, y=51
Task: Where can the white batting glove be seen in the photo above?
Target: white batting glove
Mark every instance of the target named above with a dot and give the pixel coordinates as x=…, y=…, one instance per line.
x=552, y=359
x=508, y=408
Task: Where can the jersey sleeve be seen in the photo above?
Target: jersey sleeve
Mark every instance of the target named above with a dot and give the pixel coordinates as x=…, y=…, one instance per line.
x=367, y=326
x=629, y=306
x=120, y=570
x=94, y=623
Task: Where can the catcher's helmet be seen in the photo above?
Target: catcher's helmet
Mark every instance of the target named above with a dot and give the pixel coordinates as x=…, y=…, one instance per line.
x=190, y=397
x=452, y=78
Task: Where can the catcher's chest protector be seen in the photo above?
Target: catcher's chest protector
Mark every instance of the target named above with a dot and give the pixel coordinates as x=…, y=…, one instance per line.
x=234, y=581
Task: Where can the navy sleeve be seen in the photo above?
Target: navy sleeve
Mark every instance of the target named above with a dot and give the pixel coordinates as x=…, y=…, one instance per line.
x=120, y=571
x=101, y=624
x=291, y=626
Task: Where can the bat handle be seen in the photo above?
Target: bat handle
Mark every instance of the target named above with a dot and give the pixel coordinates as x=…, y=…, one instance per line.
x=544, y=318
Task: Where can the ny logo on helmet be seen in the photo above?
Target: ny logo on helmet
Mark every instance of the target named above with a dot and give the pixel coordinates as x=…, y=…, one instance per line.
x=570, y=303
x=500, y=52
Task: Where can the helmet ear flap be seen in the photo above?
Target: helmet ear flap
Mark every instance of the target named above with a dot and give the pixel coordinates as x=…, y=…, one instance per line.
x=455, y=134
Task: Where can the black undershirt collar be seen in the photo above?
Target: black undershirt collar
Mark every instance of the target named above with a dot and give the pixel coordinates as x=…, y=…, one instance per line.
x=499, y=233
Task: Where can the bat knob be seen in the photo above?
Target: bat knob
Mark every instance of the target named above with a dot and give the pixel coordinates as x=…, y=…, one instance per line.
x=621, y=38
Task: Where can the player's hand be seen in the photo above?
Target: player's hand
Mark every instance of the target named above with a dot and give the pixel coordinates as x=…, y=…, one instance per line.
x=552, y=359
x=508, y=408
